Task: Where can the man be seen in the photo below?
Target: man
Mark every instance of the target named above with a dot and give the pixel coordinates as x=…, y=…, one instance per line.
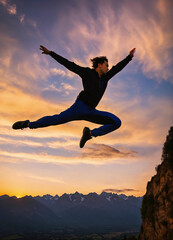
x=94, y=83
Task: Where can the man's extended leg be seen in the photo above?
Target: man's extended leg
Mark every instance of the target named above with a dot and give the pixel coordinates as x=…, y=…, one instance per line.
x=71, y=114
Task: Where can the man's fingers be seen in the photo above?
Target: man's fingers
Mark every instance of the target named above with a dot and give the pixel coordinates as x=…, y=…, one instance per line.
x=44, y=50
x=133, y=50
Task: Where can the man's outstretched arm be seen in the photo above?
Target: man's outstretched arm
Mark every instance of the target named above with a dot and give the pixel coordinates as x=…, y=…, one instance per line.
x=119, y=66
x=66, y=63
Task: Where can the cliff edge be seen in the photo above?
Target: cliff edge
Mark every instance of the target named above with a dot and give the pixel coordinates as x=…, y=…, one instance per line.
x=157, y=205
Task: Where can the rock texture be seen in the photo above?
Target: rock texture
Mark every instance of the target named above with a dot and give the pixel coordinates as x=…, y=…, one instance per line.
x=157, y=205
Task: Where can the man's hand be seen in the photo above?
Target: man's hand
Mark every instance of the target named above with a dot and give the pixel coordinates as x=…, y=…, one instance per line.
x=132, y=52
x=44, y=50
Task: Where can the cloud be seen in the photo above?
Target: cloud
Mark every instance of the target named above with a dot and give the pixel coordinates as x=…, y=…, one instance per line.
x=11, y=8
x=56, y=71
x=55, y=151
x=19, y=68
x=146, y=26
x=63, y=73
x=153, y=43
x=46, y=179
x=64, y=88
x=68, y=86
x=119, y=190
x=120, y=31
x=102, y=151
x=22, y=18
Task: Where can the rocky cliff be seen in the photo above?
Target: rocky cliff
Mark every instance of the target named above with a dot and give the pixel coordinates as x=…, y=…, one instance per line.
x=157, y=205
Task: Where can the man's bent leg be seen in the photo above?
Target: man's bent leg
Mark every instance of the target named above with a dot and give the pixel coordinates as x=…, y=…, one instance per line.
x=109, y=121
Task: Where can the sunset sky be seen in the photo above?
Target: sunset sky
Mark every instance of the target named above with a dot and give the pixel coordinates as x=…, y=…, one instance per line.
x=32, y=85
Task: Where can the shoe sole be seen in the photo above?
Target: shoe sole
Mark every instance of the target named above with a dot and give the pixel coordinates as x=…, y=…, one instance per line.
x=81, y=141
x=19, y=125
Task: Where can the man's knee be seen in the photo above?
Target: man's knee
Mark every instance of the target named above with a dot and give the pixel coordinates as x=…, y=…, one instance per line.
x=117, y=123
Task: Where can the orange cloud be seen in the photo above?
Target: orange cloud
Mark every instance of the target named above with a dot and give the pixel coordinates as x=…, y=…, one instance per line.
x=101, y=151
x=132, y=25
x=11, y=8
x=119, y=190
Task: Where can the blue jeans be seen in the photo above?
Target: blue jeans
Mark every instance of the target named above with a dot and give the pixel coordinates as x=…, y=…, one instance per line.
x=81, y=111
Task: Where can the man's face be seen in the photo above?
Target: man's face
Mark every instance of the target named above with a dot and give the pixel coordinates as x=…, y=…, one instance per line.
x=104, y=67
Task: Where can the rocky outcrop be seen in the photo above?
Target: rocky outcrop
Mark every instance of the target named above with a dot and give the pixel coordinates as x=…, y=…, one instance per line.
x=157, y=205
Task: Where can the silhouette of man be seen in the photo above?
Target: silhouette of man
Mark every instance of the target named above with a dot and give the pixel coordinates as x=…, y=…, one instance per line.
x=94, y=81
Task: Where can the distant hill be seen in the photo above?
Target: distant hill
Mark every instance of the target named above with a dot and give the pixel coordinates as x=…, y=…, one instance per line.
x=25, y=214
x=91, y=211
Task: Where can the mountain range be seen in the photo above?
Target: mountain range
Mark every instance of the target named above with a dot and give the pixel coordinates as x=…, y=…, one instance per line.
x=92, y=211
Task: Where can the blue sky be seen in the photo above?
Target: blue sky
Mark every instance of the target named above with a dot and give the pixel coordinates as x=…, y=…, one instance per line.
x=33, y=85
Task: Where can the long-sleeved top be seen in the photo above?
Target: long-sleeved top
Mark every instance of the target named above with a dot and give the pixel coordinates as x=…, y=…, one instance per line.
x=93, y=85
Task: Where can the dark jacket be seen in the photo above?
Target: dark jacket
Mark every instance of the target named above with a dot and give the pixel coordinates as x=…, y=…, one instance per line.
x=94, y=86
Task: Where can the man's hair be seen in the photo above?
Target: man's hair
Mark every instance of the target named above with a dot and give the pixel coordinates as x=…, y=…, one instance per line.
x=95, y=61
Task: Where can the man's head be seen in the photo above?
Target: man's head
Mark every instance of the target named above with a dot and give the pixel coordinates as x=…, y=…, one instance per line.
x=100, y=64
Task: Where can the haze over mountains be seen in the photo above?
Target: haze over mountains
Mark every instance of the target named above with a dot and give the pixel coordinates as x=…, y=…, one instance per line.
x=92, y=211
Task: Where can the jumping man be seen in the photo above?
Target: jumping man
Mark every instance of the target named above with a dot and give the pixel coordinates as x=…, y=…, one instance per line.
x=94, y=81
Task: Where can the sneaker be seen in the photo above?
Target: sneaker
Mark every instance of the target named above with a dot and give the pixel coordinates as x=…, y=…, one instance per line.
x=20, y=124
x=86, y=136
